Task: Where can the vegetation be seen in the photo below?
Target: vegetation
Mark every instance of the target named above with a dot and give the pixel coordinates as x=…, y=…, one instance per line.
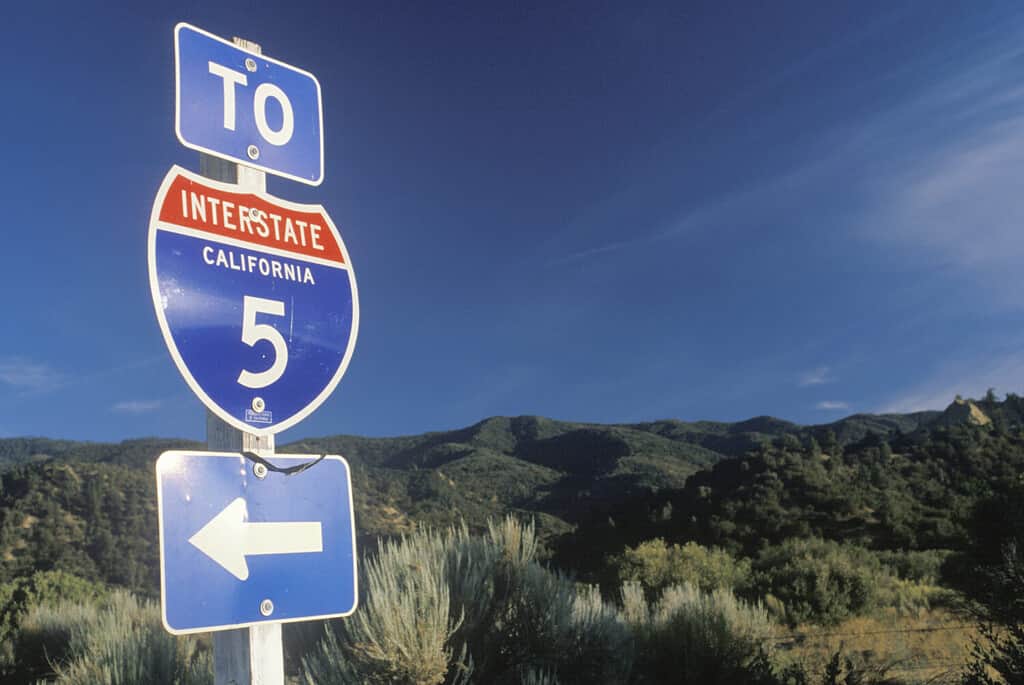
x=723, y=540
x=22, y=594
x=656, y=565
x=991, y=574
x=117, y=641
x=450, y=608
x=94, y=520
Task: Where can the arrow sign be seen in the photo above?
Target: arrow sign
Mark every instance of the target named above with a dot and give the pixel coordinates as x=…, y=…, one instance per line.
x=228, y=539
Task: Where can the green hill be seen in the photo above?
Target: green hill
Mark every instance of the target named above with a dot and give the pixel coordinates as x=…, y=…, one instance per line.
x=135, y=452
x=533, y=465
x=89, y=508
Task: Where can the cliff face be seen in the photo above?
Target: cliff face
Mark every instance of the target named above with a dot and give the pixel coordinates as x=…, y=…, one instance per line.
x=964, y=411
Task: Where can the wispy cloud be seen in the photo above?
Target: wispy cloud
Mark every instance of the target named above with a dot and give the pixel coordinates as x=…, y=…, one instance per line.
x=28, y=375
x=137, y=406
x=818, y=376
x=719, y=211
x=965, y=205
x=594, y=251
x=970, y=378
x=108, y=371
x=940, y=174
x=936, y=172
x=832, y=405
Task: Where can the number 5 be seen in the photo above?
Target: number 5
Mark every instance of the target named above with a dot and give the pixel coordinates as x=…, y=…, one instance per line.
x=253, y=332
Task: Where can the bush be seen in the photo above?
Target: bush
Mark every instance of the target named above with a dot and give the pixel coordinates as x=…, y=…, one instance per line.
x=657, y=566
x=918, y=566
x=535, y=677
x=117, y=642
x=546, y=621
x=999, y=609
x=439, y=607
x=997, y=658
x=42, y=587
x=402, y=632
x=447, y=607
x=821, y=581
x=690, y=636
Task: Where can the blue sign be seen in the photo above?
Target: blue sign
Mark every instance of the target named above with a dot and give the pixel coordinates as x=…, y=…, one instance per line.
x=247, y=108
x=256, y=299
x=237, y=549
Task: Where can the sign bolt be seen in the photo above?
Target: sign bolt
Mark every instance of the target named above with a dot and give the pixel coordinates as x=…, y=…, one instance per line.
x=258, y=404
x=266, y=607
x=254, y=152
x=250, y=64
x=260, y=471
x=254, y=214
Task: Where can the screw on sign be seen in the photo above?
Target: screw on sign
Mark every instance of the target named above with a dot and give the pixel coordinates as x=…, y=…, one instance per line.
x=256, y=299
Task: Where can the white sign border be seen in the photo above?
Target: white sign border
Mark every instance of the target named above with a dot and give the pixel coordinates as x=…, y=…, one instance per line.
x=242, y=160
x=154, y=286
x=236, y=455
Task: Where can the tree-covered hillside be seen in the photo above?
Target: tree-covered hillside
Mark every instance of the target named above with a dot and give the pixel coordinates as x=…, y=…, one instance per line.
x=138, y=452
x=89, y=508
x=822, y=525
x=95, y=520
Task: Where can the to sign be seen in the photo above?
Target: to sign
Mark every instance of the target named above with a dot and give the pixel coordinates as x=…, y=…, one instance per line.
x=256, y=299
x=247, y=108
x=238, y=549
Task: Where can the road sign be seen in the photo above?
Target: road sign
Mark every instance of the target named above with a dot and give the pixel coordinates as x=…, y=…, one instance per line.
x=238, y=550
x=256, y=299
x=247, y=108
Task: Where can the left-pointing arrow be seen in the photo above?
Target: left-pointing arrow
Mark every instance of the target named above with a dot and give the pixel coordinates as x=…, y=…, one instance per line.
x=228, y=538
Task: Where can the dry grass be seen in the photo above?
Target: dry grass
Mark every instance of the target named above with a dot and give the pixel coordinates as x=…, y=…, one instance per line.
x=931, y=646
x=393, y=519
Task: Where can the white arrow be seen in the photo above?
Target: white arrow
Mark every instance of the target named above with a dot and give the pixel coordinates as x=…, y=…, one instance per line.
x=228, y=538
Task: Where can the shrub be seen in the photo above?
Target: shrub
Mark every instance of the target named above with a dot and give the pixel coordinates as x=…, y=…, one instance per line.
x=402, y=632
x=547, y=622
x=690, y=636
x=114, y=643
x=439, y=607
x=657, y=566
x=999, y=608
x=991, y=574
x=821, y=581
x=916, y=565
x=535, y=677
x=42, y=587
x=447, y=607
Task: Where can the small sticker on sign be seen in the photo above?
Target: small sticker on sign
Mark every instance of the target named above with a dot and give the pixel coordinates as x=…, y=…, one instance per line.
x=258, y=416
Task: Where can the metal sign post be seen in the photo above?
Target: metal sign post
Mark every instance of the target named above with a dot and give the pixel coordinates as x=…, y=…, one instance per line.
x=257, y=302
x=246, y=655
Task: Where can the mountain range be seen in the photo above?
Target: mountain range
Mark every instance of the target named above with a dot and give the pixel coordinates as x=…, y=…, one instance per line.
x=90, y=507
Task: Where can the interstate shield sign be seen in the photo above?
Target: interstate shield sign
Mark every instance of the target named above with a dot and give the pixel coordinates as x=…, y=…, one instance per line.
x=256, y=299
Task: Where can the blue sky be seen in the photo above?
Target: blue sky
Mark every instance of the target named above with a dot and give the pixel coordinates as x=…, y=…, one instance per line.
x=591, y=211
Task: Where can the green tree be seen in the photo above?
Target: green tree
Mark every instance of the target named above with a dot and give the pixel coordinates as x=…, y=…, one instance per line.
x=991, y=573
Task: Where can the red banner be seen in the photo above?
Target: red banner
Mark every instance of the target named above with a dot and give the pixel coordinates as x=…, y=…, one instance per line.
x=249, y=218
